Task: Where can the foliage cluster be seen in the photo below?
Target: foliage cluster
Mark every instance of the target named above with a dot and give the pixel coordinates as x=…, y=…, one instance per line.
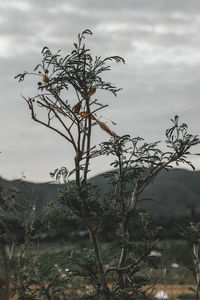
x=121, y=270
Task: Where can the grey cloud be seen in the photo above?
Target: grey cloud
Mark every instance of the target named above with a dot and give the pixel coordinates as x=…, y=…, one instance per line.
x=149, y=5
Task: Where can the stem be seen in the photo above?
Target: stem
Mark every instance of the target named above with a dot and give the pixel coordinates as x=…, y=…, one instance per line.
x=6, y=272
x=77, y=160
x=124, y=253
x=88, y=144
x=121, y=186
x=77, y=167
x=196, y=266
x=123, y=225
x=120, y=265
x=99, y=263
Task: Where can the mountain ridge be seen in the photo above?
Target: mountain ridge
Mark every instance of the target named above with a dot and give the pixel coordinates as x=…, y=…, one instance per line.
x=174, y=193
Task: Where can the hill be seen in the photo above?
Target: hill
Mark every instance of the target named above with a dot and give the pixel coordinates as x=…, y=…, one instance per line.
x=174, y=193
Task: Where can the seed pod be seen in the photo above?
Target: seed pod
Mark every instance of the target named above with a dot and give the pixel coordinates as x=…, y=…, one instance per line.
x=91, y=91
x=45, y=79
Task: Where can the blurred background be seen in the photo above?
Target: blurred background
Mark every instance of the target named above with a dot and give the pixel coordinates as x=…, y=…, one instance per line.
x=159, y=40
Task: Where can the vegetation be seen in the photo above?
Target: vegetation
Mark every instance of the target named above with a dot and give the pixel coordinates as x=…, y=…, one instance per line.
x=120, y=268
x=191, y=234
x=172, y=199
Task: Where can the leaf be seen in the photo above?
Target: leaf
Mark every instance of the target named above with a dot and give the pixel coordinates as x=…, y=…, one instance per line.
x=21, y=76
x=113, y=122
x=85, y=114
x=91, y=91
x=87, y=31
x=45, y=79
x=107, y=129
x=77, y=107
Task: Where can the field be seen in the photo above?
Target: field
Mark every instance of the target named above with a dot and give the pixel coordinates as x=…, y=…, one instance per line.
x=171, y=278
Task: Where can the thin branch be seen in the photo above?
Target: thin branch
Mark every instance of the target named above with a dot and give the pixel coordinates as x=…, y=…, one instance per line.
x=150, y=177
x=43, y=123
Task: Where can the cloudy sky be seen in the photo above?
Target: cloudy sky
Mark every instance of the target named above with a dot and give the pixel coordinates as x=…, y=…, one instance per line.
x=160, y=42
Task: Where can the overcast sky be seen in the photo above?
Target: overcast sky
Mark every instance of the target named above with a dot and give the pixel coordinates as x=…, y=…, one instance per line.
x=160, y=41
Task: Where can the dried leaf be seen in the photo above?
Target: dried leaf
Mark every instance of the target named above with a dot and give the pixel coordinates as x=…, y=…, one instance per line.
x=107, y=129
x=77, y=108
x=91, y=91
x=45, y=79
x=85, y=114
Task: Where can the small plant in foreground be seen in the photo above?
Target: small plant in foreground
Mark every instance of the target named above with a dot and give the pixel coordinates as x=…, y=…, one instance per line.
x=120, y=270
x=191, y=234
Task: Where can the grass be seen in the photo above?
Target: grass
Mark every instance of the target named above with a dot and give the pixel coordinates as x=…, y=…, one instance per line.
x=171, y=275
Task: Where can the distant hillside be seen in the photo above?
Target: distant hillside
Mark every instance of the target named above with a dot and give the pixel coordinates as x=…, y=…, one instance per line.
x=175, y=193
